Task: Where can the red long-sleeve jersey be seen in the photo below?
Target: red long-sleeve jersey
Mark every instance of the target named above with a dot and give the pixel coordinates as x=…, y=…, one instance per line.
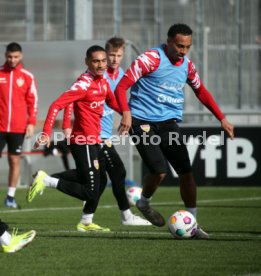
x=88, y=95
x=148, y=63
x=18, y=99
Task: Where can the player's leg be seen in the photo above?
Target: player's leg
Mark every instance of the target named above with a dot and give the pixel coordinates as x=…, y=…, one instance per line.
x=144, y=136
x=177, y=155
x=78, y=183
x=86, y=158
x=14, y=142
x=98, y=181
x=13, y=243
x=117, y=173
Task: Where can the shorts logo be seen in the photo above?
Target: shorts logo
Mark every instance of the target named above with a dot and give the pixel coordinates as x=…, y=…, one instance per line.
x=96, y=164
x=145, y=128
x=20, y=82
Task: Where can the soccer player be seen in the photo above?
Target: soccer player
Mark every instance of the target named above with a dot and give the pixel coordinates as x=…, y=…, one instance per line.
x=157, y=78
x=88, y=95
x=114, y=166
x=13, y=243
x=114, y=47
x=18, y=110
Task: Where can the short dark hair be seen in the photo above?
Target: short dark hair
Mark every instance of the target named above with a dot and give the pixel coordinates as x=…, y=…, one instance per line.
x=115, y=43
x=13, y=47
x=179, y=29
x=92, y=49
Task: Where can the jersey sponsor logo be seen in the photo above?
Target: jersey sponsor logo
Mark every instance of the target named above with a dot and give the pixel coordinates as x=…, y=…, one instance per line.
x=20, y=82
x=97, y=104
x=145, y=128
x=168, y=99
x=170, y=86
x=96, y=164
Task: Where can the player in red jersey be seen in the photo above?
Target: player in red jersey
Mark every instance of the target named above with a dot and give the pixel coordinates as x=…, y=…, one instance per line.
x=115, y=48
x=157, y=78
x=18, y=110
x=88, y=94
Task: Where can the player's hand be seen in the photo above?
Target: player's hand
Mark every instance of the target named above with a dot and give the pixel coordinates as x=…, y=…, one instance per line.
x=29, y=131
x=41, y=140
x=229, y=128
x=67, y=132
x=125, y=123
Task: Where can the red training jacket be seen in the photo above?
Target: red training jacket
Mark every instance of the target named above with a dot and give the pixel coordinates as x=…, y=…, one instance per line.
x=18, y=99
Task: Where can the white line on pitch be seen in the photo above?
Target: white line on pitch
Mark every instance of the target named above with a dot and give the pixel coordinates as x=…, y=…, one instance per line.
x=157, y=233
x=115, y=206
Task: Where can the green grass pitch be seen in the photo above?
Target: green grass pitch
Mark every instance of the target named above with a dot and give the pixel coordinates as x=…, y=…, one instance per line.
x=232, y=216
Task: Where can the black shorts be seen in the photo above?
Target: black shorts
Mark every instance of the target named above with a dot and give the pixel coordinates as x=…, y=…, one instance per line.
x=14, y=142
x=159, y=142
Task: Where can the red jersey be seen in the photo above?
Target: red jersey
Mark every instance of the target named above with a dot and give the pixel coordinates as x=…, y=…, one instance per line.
x=18, y=99
x=148, y=63
x=88, y=95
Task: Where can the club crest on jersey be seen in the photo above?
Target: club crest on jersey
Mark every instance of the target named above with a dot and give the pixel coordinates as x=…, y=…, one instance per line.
x=20, y=82
x=145, y=128
x=96, y=164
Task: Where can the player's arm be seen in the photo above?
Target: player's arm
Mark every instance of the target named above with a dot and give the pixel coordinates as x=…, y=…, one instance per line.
x=207, y=100
x=145, y=64
x=67, y=118
x=64, y=100
x=111, y=100
x=32, y=108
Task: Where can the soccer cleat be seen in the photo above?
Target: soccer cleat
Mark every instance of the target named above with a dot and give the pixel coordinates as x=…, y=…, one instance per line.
x=135, y=220
x=151, y=215
x=19, y=241
x=10, y=202
x=200, y=234
x=37, y=186
x=91, y=228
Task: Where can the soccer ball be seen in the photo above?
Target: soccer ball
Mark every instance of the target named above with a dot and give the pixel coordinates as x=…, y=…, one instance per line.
x=133, y=194
x=182, y=224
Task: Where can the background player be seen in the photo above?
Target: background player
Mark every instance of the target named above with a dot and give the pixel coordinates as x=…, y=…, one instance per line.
x=18, y=110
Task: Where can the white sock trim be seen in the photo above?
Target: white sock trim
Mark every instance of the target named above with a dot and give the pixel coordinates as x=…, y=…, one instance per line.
x=5, y=239
x=50, y=182
x=87, y=219
x=11, y=191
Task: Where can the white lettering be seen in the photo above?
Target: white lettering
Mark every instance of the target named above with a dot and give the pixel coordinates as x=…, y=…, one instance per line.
x=96, y=104
x=234, y=158
x=211, y=154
